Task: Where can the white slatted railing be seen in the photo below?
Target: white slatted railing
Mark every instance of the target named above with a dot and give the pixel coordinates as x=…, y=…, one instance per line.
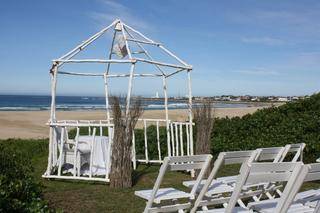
x=178, y=135
x=65, y=150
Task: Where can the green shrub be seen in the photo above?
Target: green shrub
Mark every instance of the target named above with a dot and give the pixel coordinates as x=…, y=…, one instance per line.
x=19, y=192
x=294, y=122
x=152, y=142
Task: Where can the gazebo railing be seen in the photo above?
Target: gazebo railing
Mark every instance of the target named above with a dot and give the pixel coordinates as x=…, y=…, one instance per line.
x=64, y=150
x=179, y=140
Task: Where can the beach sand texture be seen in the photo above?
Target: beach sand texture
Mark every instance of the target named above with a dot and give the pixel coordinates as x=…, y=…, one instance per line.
x=32, y=124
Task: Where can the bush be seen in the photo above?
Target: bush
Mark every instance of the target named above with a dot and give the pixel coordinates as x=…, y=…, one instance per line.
x=152, y=142
x=19, y=192
x=294, y=122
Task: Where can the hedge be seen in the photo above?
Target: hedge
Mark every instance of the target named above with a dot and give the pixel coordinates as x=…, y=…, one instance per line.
x=19, y=192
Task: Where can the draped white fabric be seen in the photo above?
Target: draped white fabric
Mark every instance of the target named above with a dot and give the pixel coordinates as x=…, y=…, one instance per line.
x=100, y=154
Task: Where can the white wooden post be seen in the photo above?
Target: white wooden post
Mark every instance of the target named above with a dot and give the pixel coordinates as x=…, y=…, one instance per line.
x=190, y=112
x=110, y=130
x=145, y=141
x=106, y=91
x=172, y=140
x=134, y=160
x=181, y=140
x=92, y=150
x=75, y=163
x=52, y=139
x=158, y=141
x=61, y=156
x=177, y=138
x=129, y=89
x=188, y=139
x=164, y=81
x=109, y=151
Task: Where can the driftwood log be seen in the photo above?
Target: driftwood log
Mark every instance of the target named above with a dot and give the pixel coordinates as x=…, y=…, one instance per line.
x=204, y=119
x=121, y=165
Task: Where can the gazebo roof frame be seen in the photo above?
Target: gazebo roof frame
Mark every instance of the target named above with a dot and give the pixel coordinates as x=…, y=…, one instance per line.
x=128, y=35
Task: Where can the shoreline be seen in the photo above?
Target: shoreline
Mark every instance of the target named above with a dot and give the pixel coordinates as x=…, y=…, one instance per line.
x=32, y=124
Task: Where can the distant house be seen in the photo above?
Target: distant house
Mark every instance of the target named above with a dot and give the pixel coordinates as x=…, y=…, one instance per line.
x=236, y=99
x=255, y=99
x=283, y=99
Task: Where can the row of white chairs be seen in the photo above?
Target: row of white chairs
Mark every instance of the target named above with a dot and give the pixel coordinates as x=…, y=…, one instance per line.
x=269, y=180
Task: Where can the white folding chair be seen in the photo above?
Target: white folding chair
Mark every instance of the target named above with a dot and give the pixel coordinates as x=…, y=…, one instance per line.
x=157, y=195
x=237, y=157
x=274, y=154
x=213, y=188
x=307, y=201
x=256, y=173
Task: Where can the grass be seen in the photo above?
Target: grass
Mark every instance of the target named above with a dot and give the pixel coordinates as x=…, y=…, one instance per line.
x=80, y=196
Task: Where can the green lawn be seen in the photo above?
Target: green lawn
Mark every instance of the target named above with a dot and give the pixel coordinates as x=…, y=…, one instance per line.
x=81, y=196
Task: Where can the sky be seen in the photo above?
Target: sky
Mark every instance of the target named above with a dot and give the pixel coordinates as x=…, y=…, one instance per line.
x=255, y=47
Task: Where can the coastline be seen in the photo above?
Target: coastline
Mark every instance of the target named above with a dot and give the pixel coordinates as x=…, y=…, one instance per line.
x=32, y=124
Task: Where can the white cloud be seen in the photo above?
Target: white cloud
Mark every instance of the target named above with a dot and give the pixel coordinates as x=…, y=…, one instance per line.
x=114, y=10
x=263, y=40
x=307, y=60
x=258, y=72
x=294, y=24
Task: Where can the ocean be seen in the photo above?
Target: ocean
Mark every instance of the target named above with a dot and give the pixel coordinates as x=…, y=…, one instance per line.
x=72, y=103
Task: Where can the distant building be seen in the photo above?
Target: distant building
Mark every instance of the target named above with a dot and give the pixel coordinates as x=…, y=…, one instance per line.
x=283, y=99
x=156, y=96
x=255, y=99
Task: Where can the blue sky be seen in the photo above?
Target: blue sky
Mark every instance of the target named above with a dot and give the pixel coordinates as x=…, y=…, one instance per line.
x=236, y=47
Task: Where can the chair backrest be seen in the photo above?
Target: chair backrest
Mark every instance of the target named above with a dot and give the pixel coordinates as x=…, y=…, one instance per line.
x=236, y=157
x=313, y=172
x=181, y=163
x=296, y=150
x=267, y=172
x=273, y=154
x=309, y=172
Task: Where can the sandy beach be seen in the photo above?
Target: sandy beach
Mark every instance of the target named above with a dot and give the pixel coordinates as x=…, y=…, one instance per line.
x=32, y=124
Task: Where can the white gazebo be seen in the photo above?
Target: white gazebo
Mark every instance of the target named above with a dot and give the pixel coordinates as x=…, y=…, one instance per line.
x=87, y=157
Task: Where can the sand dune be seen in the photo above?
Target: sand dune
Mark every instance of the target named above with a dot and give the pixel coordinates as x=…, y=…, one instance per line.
x=26, y=124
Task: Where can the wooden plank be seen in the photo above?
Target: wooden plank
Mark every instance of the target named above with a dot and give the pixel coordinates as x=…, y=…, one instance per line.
x=185, y=166
x=191, y=158
x=76, y=178
x=268, y=177
x=273, y=167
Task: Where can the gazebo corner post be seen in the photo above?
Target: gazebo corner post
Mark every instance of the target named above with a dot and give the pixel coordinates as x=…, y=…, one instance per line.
x=164, y=81
x=128, y=99
x=53, y=72
x=110, y=131
x=106, y=91
x=133, y=158
x=190, y=117
x=190, y=112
